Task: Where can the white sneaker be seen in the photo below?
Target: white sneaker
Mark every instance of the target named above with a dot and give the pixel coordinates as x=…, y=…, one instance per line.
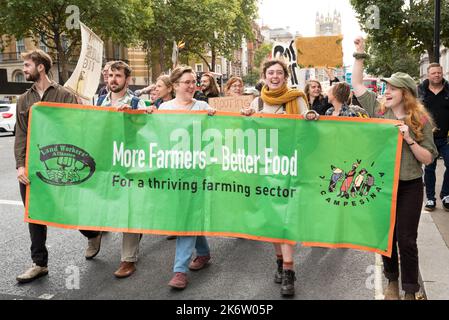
x=445, y=202
x=430, y=205
x=32, y=273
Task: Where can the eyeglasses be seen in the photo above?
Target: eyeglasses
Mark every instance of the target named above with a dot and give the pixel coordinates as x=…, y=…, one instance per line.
x=188, y=83
x=237, y=85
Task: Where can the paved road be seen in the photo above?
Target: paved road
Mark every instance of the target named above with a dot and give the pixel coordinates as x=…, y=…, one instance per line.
x=240, y=269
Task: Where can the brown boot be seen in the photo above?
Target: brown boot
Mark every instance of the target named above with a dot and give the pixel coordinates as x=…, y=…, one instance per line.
x=125, y=269
x=392, y=291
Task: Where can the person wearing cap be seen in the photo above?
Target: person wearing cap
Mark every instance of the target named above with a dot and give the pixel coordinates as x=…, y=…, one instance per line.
x=418, y=148
x=434, y=93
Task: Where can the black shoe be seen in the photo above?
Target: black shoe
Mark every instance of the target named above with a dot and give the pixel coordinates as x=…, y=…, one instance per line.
x=445, y=202
x=430, y=205
x=278, y=274
x=288, y=283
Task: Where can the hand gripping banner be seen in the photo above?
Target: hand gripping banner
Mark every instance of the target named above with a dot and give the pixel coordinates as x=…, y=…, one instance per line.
x=329, y=183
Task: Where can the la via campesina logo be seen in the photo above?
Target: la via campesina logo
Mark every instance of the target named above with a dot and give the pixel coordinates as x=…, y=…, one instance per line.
x=65, y=165
x=354, y=187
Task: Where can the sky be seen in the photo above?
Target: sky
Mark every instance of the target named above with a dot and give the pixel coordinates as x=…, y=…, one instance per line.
x=300, y=16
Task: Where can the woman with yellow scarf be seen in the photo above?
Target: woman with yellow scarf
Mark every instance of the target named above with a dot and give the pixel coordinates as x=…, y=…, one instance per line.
x=277, y=98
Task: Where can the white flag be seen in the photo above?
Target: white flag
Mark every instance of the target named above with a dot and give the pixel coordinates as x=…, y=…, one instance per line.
x=86, y=76
x=174, y=55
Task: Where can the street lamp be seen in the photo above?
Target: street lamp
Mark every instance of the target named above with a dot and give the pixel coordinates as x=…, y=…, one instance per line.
x=437, y=30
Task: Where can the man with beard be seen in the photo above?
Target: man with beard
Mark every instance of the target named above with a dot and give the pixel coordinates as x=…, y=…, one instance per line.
x=434, y=93
x=209, y=88
x=120, y=97
x=36, y=67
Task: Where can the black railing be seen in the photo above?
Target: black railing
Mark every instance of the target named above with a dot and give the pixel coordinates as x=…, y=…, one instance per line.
x=10, y=57
x=15, y=57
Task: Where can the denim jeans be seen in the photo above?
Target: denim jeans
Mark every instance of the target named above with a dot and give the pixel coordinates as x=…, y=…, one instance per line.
x=184, y=250
x=429, y=171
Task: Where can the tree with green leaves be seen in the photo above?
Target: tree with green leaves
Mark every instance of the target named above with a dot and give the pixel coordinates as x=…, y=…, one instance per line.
x=53, y=22
x=406, y=30
x=261, y=54
x=215, y=26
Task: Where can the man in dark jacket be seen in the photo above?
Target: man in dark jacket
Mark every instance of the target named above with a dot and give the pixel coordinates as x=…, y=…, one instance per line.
x=36, y=67
x=434, y=93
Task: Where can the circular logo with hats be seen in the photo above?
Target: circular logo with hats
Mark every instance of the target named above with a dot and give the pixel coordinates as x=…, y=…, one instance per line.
x=65, y=165
x=352, y=184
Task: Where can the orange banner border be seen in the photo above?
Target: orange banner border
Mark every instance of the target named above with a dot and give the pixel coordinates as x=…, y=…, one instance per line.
x=228, y=234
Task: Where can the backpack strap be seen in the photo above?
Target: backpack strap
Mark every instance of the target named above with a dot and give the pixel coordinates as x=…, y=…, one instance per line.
x=134, y=103
x=101, y=99
x=260, y=104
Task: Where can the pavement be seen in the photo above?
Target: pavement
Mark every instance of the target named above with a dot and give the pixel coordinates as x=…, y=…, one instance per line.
x=240, y=269
x=433, y=246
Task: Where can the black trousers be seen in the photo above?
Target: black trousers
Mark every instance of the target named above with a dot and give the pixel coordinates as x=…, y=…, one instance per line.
x=408, y=213
x=38, y=235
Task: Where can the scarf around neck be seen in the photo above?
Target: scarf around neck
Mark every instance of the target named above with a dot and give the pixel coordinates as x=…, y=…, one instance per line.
x=283, y=96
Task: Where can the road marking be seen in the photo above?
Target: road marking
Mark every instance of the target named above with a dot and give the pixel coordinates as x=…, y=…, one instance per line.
x=10, y=202
x=378, y=288
x=46, y=296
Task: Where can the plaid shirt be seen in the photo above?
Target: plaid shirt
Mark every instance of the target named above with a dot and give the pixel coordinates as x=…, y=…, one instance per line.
x=126, y=99
x=348, y=111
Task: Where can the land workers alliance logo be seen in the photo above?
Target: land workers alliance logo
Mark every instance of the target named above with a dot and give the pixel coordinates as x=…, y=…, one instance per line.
x=65, y=164
x=352, y=184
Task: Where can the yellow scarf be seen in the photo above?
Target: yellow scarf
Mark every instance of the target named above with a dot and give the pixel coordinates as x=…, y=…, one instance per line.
x=282, y=96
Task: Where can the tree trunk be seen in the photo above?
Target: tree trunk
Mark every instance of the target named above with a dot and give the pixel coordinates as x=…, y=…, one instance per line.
x=162, y=54
x=205, y=60
x=213, y=58
x=61, y=59
x=431, y=53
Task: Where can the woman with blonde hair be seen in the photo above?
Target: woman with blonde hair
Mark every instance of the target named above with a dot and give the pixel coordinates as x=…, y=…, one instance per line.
x=401, y=103
x=277, y=98
x=314, y=92
x=183, y=79
x=317, y=101
x=234, y=87
x=163, y=90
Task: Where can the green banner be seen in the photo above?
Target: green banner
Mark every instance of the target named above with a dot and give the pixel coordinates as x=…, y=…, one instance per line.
x=328, y=183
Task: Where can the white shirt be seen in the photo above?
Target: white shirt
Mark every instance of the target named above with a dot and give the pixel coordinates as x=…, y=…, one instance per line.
x=196, y=106
x=267, y=108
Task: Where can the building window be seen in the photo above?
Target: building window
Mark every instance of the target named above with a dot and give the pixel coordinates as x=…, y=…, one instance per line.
x=20, y=47
x=42, y=46
x=18, y=76
x=65, y=43
x=218, y=68
x=198, y=67
x=116, y=52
